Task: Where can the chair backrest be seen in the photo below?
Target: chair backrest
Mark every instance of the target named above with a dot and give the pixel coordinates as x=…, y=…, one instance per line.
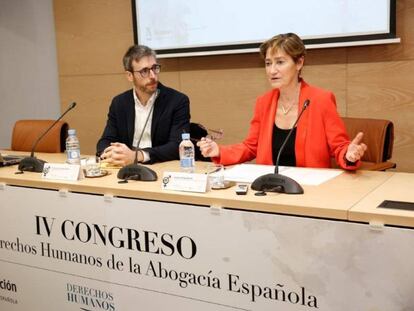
x=26, y=132
x=378, y=136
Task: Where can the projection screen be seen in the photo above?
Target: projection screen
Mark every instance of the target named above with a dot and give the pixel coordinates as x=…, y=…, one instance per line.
x=199, y=27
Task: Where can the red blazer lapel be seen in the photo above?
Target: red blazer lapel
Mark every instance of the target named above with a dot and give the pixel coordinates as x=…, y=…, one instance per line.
x=265, y=153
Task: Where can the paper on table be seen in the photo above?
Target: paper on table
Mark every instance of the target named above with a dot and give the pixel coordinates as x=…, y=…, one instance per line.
x=249, y=172
x=311, y=176
x=304, y=176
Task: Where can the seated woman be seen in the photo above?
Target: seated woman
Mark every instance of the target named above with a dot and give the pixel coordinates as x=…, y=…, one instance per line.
x=320, y=133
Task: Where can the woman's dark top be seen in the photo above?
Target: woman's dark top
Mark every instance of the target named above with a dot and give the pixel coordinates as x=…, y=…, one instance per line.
x=287, y=158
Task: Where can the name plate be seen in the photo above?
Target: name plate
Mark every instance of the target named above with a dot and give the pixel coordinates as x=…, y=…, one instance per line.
x=184, y=182
x=61, y=171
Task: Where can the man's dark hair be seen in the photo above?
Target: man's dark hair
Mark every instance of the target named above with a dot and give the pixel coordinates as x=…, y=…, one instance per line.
x=135, y=53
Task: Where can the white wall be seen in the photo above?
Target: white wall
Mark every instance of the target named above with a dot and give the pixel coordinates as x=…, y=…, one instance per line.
x=28, y=64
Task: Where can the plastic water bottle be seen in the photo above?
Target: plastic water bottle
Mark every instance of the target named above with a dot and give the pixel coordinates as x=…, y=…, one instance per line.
x=72, y=148
x=186, y=150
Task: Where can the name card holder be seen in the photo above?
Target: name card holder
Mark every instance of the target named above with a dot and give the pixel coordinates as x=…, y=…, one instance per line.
x=190, y=182
x=59, y=171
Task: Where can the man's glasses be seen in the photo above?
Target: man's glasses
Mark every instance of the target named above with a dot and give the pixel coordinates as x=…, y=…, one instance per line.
x=145, y=72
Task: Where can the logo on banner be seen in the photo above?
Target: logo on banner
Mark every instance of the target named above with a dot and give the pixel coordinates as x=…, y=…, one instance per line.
x=90, y=298
x=9, y=286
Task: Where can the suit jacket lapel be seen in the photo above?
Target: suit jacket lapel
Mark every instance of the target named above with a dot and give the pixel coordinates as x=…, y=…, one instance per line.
x=158, y=109
x=130, y=118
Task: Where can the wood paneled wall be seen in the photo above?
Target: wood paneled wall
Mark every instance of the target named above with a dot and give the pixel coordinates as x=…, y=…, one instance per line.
x=369, y=81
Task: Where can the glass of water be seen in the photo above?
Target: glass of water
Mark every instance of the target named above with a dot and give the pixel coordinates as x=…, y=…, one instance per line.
x=93, y=167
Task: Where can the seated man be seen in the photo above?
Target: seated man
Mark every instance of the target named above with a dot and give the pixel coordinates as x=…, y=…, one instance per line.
x=150, y=117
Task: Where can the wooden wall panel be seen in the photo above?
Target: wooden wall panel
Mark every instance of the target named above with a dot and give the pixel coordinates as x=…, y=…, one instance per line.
x=369, y=81
x=92, y=35
x=326, y=56
x=390, y=52
x=93, y=95
x=224, y=98
x=330, y=77
x=223, y=90
x=170, y=73
x=386, y=91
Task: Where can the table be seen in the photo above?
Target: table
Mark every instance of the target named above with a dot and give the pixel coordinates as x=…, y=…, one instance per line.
x=99, y=245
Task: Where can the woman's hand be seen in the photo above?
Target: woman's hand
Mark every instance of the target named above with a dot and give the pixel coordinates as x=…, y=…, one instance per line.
x=356, y=148
x=208, y=147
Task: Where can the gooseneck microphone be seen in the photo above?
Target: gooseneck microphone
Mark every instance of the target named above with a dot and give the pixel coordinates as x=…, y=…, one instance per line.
x=136, y=171
x=32, y=164
x=276, y=182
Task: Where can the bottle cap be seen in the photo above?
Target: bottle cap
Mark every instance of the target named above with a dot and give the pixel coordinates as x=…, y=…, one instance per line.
x=71, y=132
x=185, y=135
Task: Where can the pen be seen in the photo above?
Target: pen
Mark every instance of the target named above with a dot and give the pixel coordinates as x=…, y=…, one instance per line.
x=216, y=170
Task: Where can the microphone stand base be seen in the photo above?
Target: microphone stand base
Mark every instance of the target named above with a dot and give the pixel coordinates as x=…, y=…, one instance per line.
x=277, y=183
x=137, y=172
x=31, y=164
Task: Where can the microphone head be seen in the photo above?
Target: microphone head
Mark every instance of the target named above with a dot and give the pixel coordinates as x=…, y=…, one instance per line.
x=72, y=105
x=276, y=183
x=31, y=164
x=306, y=103
x=137, y=172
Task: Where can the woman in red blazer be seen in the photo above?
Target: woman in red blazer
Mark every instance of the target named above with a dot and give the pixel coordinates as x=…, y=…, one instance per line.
x=320, y=133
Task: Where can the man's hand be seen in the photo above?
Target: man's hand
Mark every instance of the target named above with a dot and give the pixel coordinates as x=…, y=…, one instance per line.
x=120, y=154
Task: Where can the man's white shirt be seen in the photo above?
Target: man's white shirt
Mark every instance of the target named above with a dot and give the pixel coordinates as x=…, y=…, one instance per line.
x=141, y=115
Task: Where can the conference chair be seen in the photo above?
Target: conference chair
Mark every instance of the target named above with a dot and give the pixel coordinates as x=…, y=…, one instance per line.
x=378, y=136
x=26, y=132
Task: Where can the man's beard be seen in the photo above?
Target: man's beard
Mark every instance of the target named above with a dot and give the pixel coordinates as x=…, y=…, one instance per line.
x=150, y=87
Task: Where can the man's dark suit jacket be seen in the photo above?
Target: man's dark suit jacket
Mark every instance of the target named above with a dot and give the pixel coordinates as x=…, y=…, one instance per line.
x=171, y=118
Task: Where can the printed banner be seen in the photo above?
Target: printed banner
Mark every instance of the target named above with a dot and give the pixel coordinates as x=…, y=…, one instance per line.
x=86, y=252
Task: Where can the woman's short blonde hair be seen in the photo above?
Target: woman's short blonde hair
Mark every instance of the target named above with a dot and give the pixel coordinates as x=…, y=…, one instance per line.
x=290, y=43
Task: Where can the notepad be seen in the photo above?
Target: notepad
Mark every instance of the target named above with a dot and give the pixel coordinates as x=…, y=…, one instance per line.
x=6, y=160
x=409, y=206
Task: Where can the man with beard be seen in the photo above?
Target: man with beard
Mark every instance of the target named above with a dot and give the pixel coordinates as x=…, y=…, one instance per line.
x=150, y=116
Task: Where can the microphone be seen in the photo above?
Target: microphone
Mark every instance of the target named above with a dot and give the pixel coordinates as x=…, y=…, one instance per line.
x=136, y=171
x=32, y=164
x=277, y=182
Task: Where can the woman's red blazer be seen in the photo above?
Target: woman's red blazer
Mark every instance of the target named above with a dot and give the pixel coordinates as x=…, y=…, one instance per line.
x=320, y=134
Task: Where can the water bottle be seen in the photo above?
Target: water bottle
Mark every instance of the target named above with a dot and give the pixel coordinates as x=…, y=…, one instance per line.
x=72, y=148
x=186, y=150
